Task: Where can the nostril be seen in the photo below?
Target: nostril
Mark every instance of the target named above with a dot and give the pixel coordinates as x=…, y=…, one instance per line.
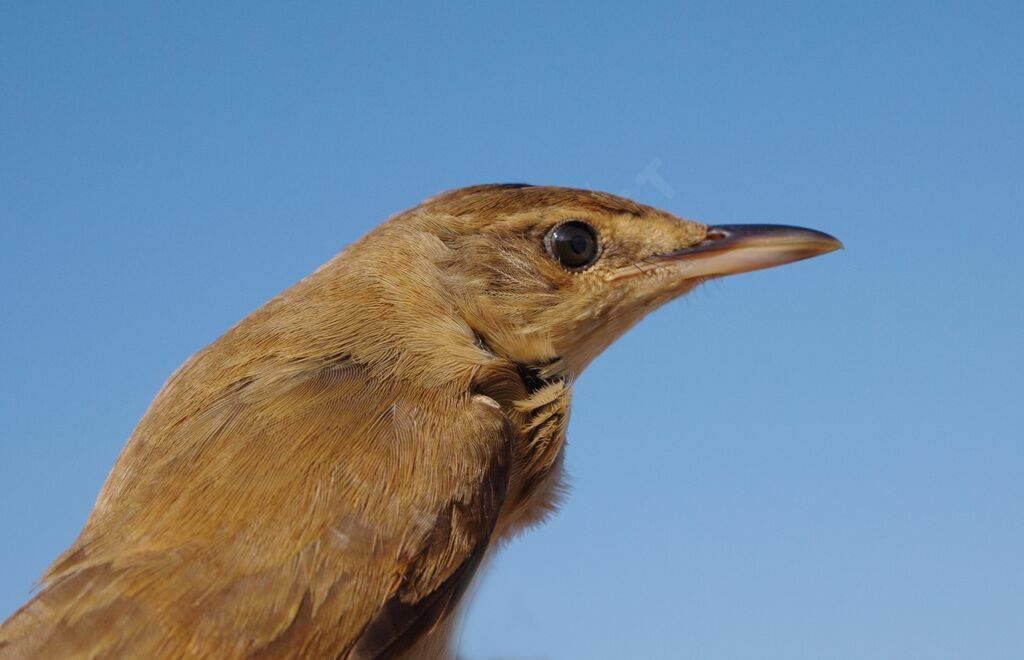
x=715, y=234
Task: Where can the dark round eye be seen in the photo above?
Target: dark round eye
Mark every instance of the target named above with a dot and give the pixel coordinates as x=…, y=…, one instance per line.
x=574, y=244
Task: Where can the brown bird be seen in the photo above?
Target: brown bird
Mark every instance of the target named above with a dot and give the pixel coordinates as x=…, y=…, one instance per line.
x=326, y=478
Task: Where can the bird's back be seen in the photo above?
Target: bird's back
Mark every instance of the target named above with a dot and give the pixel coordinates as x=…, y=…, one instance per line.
x=288, y=494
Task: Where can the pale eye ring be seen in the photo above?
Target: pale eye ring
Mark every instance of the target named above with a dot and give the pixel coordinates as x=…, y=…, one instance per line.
x=574, y=244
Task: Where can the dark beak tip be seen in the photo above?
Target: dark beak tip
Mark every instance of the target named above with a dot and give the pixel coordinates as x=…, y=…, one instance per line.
x=730, y=249
x=748, y=233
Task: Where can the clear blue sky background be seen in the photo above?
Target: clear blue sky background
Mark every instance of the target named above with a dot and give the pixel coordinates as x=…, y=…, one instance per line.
x=819, y=461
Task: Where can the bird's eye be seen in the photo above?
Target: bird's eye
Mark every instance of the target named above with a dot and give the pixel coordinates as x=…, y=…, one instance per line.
x=574, y=244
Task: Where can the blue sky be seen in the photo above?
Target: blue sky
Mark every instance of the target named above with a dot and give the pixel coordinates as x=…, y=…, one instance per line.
x=822, y=460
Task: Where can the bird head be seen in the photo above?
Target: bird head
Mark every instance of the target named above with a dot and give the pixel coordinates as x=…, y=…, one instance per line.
x=548, y=277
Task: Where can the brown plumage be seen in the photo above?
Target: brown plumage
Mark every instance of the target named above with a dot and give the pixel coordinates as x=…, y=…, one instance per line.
x=326, y=478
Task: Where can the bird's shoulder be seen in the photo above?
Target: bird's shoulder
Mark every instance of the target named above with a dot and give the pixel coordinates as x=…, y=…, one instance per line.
x=323, y=511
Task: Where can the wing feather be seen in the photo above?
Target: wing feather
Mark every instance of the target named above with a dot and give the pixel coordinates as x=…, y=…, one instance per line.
x=320, y=513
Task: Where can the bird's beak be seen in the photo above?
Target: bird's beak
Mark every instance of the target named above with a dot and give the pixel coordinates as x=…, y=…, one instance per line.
x=730, y=249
